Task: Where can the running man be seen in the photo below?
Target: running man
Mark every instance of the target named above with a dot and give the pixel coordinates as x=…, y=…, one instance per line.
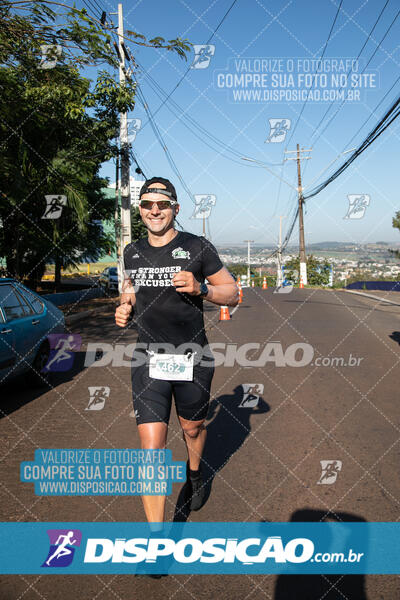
x=64, y=347
x=166, y=273
x=62, y=549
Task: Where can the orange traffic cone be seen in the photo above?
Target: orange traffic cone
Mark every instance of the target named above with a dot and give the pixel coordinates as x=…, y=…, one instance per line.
x=224, y=314
x=301, y=284
x=252, y=283
x=265, y=284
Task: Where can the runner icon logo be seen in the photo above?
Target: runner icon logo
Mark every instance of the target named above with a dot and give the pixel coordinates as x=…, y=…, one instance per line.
x=63, y=543
x=251, y=394
x=98, y=396
x=330, y=470
x=62, y=349
x=203, y=205
x=54, y=206
x=202, y=55
x=358, y=204
x=278, y=130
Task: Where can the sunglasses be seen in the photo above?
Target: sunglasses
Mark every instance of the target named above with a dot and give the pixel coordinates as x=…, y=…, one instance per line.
x=161, y=204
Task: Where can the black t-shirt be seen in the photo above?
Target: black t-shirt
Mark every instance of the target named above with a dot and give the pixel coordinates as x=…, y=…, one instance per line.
x=164, y=315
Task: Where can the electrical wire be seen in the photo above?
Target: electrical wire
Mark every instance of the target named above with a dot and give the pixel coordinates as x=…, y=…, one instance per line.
x=320, y=60
x=191, y=124
x=382, y=125
x=161, y=141
x=362, y=72
x=198, y=130
x=372, y=112
x=189, y=68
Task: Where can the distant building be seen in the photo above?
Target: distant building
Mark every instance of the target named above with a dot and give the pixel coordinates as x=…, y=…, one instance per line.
x=108, y=226
x=135, y=185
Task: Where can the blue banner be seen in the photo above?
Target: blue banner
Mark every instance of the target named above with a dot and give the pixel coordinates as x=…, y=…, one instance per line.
x=102, y=472
x=208, y=548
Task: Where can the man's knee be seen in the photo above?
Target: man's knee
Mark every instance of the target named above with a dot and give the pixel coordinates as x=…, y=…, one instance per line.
x=192, y=431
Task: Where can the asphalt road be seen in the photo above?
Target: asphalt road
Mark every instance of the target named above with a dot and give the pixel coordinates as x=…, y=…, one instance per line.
x=263, y=461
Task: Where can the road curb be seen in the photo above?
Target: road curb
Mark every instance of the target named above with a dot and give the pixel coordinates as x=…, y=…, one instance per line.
x=371, y=296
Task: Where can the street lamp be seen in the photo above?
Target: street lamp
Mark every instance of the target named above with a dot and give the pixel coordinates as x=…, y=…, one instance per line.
x=248, y=258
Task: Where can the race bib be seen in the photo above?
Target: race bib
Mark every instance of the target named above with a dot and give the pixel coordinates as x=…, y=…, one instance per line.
x=178, y=367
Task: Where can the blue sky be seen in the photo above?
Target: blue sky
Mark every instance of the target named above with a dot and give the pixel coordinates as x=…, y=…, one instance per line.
x=249, y=198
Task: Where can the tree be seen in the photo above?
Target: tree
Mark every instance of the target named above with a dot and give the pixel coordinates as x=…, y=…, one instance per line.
x=58, y=128
x=139, y=229
x=396, y=225
x=318, y=270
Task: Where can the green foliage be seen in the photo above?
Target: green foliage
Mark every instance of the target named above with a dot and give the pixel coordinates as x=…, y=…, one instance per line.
x=396, y=225
x=237, y=269
x=57, y=127
x=139, y=229
x=318, y=270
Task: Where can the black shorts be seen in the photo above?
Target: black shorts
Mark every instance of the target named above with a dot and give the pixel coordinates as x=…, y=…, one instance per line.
x=152, y=398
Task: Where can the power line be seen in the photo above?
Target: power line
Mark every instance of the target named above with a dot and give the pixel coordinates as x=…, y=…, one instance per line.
x=383, y=124
x=349, y=71
x=372, y=112
x=363, y=71
x=290, y=230
x=322, y=56
x=195, y=127
x=188, y=121
x=161, y=141
x=188, y=69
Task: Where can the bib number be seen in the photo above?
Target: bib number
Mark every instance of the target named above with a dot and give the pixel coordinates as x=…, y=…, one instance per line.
x=171, y=367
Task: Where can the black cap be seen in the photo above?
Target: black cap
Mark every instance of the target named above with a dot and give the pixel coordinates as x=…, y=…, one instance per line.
x=169, y=187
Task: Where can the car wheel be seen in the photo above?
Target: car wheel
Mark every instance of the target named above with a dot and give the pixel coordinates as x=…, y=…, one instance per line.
x=35, y=377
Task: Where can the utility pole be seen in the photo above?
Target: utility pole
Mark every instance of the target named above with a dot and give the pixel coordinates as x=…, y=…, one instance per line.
x=116, y=209
x=302, y=246
x=279, y=275
x=124, y=160
x=126, y=237
x=248, y=259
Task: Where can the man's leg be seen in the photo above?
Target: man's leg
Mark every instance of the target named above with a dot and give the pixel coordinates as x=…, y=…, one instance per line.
x=194, y=434
x=153, y=436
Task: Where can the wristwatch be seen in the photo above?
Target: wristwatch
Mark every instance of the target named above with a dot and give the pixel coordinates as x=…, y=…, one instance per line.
x=203, y=289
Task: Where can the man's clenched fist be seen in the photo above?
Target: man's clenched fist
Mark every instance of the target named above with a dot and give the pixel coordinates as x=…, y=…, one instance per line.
x=123, y=313
x=185, y=281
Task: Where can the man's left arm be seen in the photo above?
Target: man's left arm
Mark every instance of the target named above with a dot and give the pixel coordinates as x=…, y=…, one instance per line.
x=222, y=288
